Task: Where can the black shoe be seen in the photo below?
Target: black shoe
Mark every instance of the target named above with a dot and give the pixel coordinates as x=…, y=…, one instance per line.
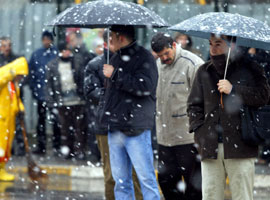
x=20, y=153
x=80, y=156
x=39, y=152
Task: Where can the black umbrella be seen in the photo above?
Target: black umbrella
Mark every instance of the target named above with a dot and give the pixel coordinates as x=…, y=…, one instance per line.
x=104, y=13
x=248, y=31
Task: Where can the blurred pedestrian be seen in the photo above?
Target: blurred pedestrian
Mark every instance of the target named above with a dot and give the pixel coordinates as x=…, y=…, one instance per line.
x=97, y=43
x=7, y=56
x=94, y=92
x=129, y=111
x=186, y=43
x=6, y=53
x=37, y=75
x=63, y=77
x=82, y=56
x=10, y=105
x=217, y=123
x=177, y=156
x=78, y=47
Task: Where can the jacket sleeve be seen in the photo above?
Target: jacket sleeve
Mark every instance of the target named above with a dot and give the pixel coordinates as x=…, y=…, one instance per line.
x=192, y=68
x=12, y=69
x=93, y=86
x=49, y=92
x=195, y=104
x=142, y=82
x=257, y=95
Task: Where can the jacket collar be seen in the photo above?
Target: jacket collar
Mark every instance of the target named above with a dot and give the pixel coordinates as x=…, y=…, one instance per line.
x=129, y=50
x=208, y=64
x=231, y=67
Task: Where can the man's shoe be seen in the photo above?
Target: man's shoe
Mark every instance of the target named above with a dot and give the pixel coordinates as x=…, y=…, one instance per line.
x=39, y=152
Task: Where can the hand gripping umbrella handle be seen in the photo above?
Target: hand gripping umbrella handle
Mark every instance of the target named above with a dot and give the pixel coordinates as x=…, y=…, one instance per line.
x=225, y=73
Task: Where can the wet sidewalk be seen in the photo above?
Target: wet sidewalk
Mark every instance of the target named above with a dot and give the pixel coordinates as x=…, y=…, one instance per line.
x=73, y=179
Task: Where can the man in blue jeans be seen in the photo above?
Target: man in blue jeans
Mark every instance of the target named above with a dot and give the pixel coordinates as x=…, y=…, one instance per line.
x=129, y=111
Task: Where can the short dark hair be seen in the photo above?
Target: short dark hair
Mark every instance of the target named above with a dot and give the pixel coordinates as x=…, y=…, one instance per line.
x=62, y=46
x=161, y=41
x=128, y=31
x=5, y=38
x=47, y=34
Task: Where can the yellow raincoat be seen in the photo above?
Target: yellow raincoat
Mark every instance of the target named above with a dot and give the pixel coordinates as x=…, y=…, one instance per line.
x=9, y=104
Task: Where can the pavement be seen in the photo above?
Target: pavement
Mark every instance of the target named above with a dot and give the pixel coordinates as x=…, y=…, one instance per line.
x=86, y=177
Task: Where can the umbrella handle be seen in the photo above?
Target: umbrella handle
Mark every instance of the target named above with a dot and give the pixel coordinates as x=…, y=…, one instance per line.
x=221, y=101
x=225, y=72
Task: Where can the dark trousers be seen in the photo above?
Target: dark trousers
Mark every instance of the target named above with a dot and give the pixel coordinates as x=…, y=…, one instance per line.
x=18, y=148
x=73, y=128
x=178, y=168
x=54, y=121
x=41, y=126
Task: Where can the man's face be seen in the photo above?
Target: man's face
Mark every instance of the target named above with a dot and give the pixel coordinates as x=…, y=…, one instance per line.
x=47, y=42
x=5, y=47
x=115, y=41
x=167, y=55
x=218, y=46
x=66, y=53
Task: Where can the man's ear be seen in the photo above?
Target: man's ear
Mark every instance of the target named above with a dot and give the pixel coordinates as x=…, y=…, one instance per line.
x=121, y=38
x=105, y=45
x=174, y=45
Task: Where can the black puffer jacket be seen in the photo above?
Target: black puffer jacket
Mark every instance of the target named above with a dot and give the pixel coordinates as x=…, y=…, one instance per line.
x=131, y=95
x=94, y=92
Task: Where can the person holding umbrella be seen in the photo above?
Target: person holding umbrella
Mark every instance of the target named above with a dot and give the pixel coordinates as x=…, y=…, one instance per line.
x=94, y=94
x=216, y=123
x=129, y=112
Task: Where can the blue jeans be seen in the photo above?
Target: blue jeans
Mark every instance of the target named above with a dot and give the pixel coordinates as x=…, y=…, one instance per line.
x=126, y=151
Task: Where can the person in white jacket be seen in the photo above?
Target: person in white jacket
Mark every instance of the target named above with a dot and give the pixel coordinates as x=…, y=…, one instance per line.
x=177, y=155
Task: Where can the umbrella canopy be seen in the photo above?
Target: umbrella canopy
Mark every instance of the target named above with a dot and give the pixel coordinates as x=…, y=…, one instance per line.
x=248, y=31
x=104, y=13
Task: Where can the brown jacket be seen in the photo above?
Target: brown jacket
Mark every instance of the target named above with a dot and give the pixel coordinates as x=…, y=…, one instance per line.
x=206, y=116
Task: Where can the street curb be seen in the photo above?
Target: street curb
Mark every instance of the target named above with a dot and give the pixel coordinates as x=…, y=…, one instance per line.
x=260, y=180
x=73, y=171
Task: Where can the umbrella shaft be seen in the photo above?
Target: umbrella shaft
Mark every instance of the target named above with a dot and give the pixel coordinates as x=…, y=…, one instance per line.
x=227, y=62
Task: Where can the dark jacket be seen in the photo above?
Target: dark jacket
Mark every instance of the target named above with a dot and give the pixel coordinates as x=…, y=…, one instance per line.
x=5, y=60
x=94, y=91
x=37, y=71
x=206, y=116
x=81, y=58
x=131, y=96
x=54, y=94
